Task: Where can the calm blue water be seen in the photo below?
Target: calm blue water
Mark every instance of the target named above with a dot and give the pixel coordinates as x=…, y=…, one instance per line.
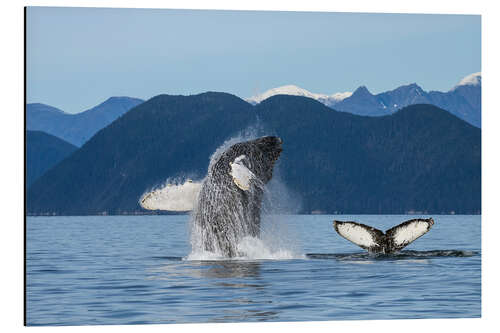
x=130, y=270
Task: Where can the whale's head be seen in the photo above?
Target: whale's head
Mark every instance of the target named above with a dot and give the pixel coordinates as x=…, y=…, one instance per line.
x=270, y=146
x=261, y=155
x=248, y=160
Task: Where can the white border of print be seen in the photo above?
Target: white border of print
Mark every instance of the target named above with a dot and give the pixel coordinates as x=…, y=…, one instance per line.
x=12, y=88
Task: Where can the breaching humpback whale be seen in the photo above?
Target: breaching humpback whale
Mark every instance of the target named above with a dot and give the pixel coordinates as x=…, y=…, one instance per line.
x=229, y=203
x=376, y=241
x=226, y=205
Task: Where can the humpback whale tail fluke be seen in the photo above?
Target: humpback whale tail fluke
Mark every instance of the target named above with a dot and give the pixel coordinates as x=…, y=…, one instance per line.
x=374, y=240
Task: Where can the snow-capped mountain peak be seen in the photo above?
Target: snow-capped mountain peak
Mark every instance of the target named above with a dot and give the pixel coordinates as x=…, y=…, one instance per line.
x=473, y=79
x=341, y=95
x=297, y=91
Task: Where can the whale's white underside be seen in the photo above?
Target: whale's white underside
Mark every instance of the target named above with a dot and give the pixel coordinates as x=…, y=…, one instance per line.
x=240, y=173
x=375, y=240
x=357, y=234
x=172, y=197
x=408, y=233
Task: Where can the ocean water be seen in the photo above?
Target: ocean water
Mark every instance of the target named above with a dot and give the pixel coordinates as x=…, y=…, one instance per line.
x=97, y=270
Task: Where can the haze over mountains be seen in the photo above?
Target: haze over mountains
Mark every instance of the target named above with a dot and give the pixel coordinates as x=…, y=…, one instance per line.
x=463, y=100
x=421, y=158
x=77, y=128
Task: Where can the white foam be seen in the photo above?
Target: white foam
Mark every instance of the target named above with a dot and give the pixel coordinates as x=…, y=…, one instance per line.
x=204, y=256
x=249, y=248
x=255, y=248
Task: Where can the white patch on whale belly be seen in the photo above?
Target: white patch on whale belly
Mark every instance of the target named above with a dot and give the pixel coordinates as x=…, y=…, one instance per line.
x=240, y=173
x=172, y=197
x=356, y=234
x=410, y=232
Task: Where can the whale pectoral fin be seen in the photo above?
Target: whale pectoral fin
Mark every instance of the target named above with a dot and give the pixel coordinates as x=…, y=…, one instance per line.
x=362, y=235
x=403, y=234
x=172, y=197
x=240, y=173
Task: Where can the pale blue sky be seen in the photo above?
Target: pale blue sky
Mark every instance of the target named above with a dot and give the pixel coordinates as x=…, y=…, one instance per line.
x=78, y=57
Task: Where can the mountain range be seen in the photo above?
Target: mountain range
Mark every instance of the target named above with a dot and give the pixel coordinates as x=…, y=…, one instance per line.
x=43, y=151
x=76, y=128
x=420, y=158
x=463, y=100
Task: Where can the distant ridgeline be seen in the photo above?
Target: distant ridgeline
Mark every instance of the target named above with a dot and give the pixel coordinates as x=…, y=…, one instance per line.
x=420, y=159
x=76, y=128
x=463, y=100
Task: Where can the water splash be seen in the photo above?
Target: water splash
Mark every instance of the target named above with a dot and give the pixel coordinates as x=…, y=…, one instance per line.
x=250, y=133
x=249, y=248
x=274, y=242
